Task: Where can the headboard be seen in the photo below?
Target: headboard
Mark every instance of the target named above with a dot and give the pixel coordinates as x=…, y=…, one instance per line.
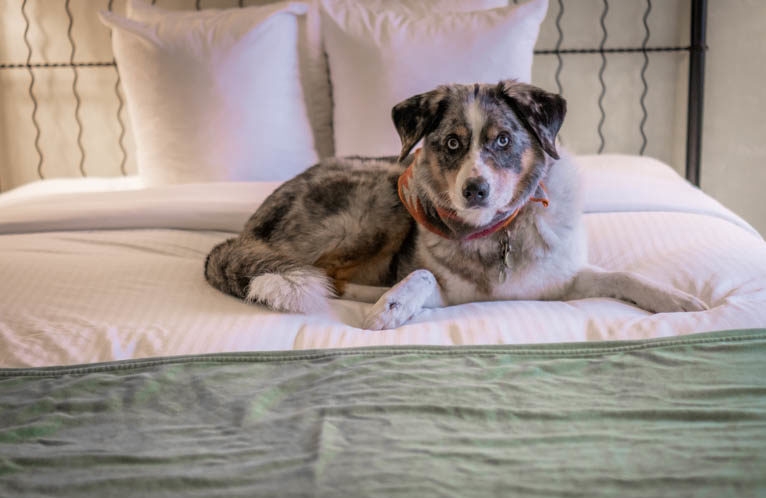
x=631, y=71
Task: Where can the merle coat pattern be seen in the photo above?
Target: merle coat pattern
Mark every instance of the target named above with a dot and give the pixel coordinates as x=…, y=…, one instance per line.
x=340, y=229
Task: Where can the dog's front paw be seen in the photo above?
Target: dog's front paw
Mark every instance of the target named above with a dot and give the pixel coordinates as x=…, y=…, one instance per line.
x=402, y=301
x=388, y=313
x=677, y=301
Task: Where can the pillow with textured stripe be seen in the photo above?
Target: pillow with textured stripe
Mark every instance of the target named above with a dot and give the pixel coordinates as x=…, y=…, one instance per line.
x=381, y=56
x=214, y=95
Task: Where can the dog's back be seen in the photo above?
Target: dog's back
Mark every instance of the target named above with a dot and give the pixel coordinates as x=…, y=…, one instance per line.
x=340, y=221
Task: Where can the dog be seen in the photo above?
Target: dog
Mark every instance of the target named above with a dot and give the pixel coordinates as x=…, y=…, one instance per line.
x=486, y=209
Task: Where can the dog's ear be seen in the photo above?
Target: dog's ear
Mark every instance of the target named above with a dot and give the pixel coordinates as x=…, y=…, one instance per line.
x=541, y=111
x=417, y=116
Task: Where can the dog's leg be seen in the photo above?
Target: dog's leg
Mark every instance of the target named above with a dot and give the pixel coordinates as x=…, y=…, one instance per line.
x=363, y=293
x=417, y=290
x=250, y=270
x=631, y=287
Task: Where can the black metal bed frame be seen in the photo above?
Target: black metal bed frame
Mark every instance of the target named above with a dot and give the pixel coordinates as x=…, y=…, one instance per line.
x=696, y=50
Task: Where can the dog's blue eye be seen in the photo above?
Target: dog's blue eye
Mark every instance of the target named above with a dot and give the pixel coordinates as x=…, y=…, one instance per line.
x=503, y=140
x=453, y=143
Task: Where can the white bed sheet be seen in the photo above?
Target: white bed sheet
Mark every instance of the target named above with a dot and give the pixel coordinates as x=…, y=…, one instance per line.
x=117, y=274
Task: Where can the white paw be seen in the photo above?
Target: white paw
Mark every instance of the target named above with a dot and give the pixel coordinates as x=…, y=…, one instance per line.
x=402, y=301
x=388, y=313
x=297, y=291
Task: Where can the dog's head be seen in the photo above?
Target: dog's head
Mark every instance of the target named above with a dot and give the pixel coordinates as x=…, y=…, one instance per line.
x=484, y=146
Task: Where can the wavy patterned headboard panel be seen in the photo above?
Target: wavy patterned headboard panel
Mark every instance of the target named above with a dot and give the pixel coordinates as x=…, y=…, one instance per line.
x=631, y=71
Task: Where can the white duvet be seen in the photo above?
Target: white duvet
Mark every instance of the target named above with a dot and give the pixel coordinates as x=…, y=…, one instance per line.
x=110, y=271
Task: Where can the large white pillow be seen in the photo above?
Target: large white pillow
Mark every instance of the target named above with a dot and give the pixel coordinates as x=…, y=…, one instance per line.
x=313, y=61
x=214, y=95
x=428, y=6
x=379, y=57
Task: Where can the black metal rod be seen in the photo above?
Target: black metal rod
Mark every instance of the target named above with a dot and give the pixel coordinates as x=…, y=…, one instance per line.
x=563, y=51
x=559, y=41
x=22, y=65
x=32, y=92
x=75, y=91
x=601, y=81
x=645, y=92
x=617, y=50
x=696, y=90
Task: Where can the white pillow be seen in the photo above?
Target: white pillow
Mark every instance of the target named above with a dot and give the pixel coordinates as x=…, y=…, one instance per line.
x=430, y=6
x=378, y=58
x=213, y=95
x=313, y=61
x=314, y=72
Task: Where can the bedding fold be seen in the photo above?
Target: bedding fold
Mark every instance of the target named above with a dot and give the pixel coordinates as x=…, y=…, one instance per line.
x=612, y=183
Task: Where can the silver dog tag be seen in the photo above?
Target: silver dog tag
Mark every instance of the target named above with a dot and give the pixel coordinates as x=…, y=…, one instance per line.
x=507, y=260
x=505, y=257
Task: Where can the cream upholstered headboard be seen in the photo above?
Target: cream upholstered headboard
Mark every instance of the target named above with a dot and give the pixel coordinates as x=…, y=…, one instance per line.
x=622, y=65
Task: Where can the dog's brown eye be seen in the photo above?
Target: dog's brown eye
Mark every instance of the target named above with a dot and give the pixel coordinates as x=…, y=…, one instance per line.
x=503, y=140
x=453, y=143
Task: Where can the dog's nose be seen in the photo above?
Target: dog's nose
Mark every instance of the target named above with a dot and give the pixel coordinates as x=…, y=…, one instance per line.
x=476, y=191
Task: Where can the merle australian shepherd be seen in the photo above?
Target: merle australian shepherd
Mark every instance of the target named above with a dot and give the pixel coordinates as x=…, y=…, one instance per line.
x=486, y=209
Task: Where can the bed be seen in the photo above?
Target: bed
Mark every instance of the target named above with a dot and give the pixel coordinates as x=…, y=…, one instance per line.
x=123, y=373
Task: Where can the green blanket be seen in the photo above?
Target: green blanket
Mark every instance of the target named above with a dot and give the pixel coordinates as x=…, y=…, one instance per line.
x=669, y=417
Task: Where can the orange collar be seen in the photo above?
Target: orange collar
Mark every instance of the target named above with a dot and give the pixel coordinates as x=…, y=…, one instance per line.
x=437, y=224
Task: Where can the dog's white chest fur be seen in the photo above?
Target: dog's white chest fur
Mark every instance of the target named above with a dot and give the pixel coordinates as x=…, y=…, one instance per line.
x=546, y=247
x=543, y=276
x=539, y=268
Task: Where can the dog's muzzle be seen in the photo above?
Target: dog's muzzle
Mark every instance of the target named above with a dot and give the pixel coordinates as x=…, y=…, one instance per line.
x=476, y=192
